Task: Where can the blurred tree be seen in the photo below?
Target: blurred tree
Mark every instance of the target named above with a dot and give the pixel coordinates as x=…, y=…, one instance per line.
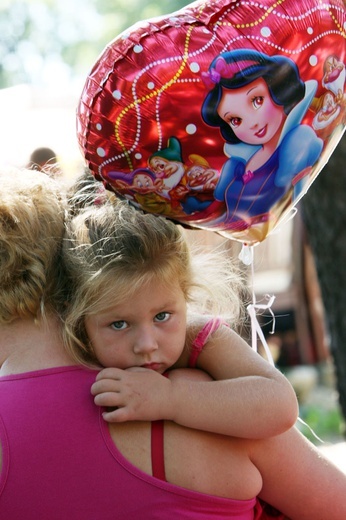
x=45, y=39
x=324, y=214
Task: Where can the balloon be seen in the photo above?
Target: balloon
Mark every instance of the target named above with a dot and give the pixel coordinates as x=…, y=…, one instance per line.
x=220, y=115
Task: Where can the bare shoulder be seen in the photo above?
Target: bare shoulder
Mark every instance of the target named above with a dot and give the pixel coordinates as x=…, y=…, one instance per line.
x=195, y=323
x=223, y=332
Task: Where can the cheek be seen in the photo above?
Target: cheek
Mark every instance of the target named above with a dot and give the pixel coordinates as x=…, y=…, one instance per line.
x=109, y=355
x=240, y=132
x=91, y=330
x=180, y=331
x=101, y=343
x=274, y=114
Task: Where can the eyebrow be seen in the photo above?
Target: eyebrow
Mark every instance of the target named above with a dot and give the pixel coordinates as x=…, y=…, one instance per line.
x=252, y=88
x=247, y=93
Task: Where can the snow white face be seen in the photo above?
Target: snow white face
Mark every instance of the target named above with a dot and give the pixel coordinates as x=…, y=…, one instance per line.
x=251, y=113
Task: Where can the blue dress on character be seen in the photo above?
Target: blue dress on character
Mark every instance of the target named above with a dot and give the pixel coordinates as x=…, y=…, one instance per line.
x=248, y=195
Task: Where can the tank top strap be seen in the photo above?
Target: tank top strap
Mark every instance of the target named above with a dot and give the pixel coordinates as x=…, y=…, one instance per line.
x=157, y=450
x=202, y=338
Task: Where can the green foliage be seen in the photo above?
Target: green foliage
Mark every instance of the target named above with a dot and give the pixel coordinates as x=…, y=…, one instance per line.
x=326, y=423
x=65, y=36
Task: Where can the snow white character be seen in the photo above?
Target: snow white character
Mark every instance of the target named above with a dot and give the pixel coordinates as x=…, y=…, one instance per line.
x=258, y=102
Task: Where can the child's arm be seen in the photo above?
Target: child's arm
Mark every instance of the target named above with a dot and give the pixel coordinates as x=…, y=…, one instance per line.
x=250, y=399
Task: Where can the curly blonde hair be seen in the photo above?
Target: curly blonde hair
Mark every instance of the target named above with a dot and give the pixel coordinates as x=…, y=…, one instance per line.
x=32, y=214
x=111, y=251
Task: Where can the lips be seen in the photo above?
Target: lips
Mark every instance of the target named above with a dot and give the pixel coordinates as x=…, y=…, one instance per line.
x=153, y=366
x=261, y=133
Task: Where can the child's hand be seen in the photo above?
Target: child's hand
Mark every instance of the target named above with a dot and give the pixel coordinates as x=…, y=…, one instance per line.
x=137, y=394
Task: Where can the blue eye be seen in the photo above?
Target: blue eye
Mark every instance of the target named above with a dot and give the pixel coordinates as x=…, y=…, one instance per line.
x=162, y=316
x=119, y=325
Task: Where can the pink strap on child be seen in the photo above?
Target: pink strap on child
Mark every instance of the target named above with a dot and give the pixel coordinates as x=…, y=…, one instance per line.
x=202, y=338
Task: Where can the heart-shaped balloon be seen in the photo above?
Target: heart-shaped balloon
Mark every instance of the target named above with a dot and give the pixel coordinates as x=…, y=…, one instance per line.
x=221, y=115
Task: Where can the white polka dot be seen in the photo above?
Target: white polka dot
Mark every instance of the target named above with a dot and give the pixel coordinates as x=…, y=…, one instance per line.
x=191, y=129
x=137, y=49
x=310, y=30
x=151, y=85
x=116, y=94
x=100, y=152
x=138, y=156
x=98, y=126
x=194, y=67
x=266, y=32
x=313, y=60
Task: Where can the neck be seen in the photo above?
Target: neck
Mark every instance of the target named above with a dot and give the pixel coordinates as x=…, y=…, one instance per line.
x=26, y=345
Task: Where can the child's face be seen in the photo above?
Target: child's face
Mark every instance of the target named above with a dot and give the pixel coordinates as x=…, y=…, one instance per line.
x=251, y=113
x=147, y=330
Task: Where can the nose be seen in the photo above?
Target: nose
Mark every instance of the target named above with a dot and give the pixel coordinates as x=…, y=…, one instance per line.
x=145, y=341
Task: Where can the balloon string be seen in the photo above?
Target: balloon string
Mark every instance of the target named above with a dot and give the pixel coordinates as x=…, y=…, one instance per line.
x=256, y=328
x=310, y=429
x=247, y=256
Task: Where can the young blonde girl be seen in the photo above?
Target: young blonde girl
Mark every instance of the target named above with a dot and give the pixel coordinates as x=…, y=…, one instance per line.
x=133, y=288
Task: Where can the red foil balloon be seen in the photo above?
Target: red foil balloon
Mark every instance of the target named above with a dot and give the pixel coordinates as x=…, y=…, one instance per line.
x=221, y=115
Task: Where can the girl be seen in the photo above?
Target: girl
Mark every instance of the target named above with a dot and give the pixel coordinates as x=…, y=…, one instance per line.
x=133, y=285
x=258, y=102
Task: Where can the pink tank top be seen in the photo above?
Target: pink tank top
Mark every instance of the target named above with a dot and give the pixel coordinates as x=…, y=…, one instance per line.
x=59, y=460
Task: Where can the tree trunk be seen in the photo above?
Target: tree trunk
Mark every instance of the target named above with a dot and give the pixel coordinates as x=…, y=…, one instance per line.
x=324, y=214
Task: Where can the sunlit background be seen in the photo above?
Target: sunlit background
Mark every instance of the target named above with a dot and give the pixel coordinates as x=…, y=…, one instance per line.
x=47, y=48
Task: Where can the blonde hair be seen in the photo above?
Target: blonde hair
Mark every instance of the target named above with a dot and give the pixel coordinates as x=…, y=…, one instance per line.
x=111, y=251
x=32, y=212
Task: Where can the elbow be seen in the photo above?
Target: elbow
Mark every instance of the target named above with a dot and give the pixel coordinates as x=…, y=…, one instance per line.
x=289, y=410
x=292, y=416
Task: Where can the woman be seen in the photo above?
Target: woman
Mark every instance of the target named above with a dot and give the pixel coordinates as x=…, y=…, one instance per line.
x=58, y=458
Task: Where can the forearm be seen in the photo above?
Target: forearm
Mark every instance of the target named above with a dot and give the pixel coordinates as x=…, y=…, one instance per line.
x=241, y=407
x=298, y=480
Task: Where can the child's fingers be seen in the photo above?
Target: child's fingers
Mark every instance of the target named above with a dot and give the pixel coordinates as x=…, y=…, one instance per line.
x=105, y=385
x=108, y=399
x=109, y=373
x=116, y=416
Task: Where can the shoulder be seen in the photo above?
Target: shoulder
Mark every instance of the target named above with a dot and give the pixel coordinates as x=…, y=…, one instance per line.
x=196, y=323
x=300, y=137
